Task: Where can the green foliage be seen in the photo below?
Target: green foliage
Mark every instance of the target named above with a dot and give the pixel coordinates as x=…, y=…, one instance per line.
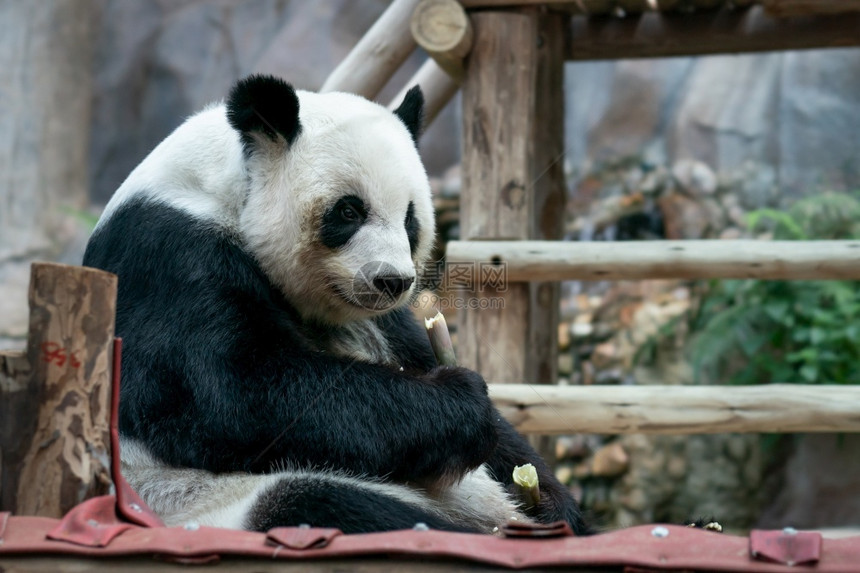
x=755, y=331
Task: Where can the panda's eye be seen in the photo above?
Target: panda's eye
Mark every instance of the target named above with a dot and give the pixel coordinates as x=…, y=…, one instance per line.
x=347, y=213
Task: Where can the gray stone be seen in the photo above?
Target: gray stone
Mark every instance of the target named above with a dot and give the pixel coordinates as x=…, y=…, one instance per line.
x=695, y=177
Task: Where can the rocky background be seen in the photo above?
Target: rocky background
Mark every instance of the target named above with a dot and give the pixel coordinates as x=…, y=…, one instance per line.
x=675, y=148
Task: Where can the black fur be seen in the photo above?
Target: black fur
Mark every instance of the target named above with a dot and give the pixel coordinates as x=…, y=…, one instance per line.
x=319, y=502
x=411, y=112
x=263, y=105
x=218, y=373
x=342, y=220
x=413, y=227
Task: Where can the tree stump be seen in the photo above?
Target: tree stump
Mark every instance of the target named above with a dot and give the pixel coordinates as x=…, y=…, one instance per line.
x=55, y=398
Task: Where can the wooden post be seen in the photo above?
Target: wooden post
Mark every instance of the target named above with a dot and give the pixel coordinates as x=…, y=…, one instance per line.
x=513, y=186
x=55, y=400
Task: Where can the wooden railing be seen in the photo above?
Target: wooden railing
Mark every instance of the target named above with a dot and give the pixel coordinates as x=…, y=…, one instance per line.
x=508, y=55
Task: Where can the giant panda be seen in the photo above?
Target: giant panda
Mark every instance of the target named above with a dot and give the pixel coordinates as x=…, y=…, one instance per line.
x=273, y=375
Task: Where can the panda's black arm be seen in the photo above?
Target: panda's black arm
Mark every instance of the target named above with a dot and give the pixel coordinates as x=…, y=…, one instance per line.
x=216, y=374
x=409, y=339
x=556, y=502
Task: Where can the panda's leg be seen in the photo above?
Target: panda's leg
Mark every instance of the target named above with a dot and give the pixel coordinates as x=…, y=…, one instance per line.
x=349, y=504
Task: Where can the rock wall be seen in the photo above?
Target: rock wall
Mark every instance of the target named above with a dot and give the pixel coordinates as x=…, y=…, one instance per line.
x=794, y=112
x=158, y=62
x=45, y=94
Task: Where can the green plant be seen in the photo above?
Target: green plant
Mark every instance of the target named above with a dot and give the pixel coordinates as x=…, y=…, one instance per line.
x=755, y=331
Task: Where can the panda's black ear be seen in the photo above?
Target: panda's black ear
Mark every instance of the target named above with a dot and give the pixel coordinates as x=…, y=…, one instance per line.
x=411, y=112
x=264, y=105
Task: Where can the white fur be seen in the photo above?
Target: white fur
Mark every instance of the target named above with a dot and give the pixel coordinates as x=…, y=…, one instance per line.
x=181, y=496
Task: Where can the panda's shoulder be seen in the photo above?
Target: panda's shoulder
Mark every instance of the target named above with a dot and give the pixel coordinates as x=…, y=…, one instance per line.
x=197, y=169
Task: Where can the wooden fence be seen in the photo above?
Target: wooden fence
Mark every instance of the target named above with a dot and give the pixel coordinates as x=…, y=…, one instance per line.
x=507, y=56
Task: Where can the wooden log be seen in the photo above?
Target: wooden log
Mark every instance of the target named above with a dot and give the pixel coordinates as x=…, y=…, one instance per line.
x=678, y=409
x=437, y=86
x=661, y=35
x=442, y=28
x=782, y=8
x=636, y=260
x=379, y=53
x=56, y=401
x=513, y=187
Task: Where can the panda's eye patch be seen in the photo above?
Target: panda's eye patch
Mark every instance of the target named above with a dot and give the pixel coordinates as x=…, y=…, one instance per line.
x=412, y=227
x=342, y=220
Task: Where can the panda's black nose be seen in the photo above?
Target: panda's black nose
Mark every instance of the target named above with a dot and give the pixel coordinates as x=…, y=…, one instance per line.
x=393, y=286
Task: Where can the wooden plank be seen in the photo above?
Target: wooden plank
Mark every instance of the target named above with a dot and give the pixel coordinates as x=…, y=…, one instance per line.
x=512, y=184
x=783, y=8
x=437, y=86
x=661, y=35
x=636, y=260
x=379, y=53
x=678, y=409
x=442, y=28
x=55, y=406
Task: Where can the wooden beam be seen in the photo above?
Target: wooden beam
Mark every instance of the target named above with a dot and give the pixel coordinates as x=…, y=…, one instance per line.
x=661, y=35
x=442, y=28
x=437, y=86
x=783, y=8
x=636, y=260
x=54, y=402
x=537, y=409
x=513, y=187
x=379, y=53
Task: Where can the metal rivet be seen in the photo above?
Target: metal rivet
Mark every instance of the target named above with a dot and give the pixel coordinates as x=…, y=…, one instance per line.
x=420, y=526
x=135, y=507
x=304, y=526
x=92, y=523
x=660, y=531
x=191, y=526
x=789, y=531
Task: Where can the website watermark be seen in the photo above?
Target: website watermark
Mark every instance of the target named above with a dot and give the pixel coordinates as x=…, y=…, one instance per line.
x=455, y=286
x=480, y=277
x=450, y=301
